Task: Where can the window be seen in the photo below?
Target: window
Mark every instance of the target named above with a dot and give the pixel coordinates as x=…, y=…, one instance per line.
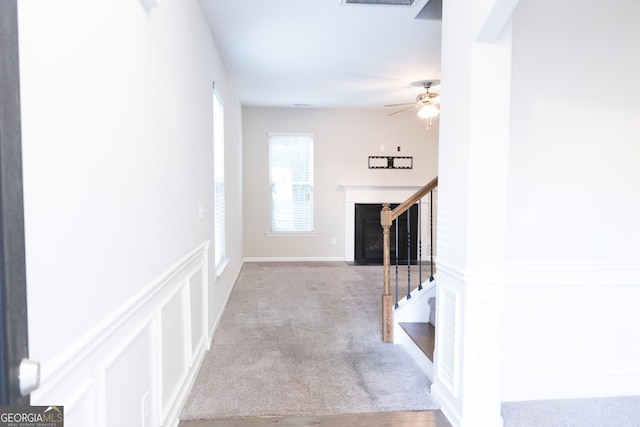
x=291, y=179
x=218, y=180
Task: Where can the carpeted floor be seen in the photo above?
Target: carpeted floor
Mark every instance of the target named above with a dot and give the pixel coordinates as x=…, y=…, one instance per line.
x=601, y=412
x=304, y=339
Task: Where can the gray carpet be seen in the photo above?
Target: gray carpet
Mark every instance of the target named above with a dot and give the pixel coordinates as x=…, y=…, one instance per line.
x=601, y=412
x=304, y=339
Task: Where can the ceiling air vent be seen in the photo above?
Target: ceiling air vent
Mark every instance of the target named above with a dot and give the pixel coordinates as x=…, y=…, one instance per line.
x=382, y=2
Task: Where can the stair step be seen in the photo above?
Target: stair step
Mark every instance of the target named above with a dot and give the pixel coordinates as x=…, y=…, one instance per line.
x=423, y=334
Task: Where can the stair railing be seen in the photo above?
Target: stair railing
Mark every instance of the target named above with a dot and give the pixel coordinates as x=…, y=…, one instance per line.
x=387, y=216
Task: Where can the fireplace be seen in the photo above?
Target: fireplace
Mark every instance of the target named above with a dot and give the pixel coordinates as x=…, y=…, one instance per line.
x=375, y=195
x=368, y=237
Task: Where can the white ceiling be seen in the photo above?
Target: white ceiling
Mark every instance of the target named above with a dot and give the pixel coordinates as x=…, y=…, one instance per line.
x=323, y=53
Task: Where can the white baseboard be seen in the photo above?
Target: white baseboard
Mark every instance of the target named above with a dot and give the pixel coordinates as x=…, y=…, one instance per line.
x=216, y=322
x=294, y=259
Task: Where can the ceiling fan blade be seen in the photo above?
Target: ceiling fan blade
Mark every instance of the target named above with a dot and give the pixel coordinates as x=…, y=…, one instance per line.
x=400, y=111
x=398, y=105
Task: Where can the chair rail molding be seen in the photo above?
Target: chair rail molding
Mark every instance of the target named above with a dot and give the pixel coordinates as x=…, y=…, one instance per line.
x=145, y=354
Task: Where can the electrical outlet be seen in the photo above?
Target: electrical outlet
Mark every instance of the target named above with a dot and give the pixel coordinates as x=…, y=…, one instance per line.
x=333, y=241
x=200, y=211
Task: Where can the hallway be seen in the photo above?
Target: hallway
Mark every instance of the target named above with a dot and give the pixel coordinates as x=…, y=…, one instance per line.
x=302, y=339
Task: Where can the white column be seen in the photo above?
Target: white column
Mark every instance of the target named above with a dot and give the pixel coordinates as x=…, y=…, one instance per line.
x=473, y=162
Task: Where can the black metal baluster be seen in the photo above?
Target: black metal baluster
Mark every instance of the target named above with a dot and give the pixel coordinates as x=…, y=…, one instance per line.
x=409, y=254
x=420, y=244
x=431, y=279
x=397, y=255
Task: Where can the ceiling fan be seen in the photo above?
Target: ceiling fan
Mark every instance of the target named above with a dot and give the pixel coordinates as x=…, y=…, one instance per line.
x=427, y=102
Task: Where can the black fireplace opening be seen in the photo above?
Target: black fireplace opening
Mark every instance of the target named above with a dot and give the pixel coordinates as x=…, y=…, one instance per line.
x=368, y=235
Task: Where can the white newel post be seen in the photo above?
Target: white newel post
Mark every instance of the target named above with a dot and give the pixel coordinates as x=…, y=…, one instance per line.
x=473, y=163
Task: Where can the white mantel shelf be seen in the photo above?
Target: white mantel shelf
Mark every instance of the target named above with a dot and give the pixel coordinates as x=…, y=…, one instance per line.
x=359, y=187
x=378, y=193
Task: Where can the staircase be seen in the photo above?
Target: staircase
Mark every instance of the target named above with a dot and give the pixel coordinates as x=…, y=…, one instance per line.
x=414, y=327
x=410, y=321
x=422, y=335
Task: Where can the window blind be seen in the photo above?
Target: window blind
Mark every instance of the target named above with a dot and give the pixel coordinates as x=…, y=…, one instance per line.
x=291, y=180
x=218, y=179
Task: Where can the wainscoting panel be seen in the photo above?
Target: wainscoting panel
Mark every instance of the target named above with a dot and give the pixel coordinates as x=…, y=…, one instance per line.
x=198, y=303
x=546, y=328
x=133, y=406
x=619, y=319
x=447, y=349
x=448, y=288
x=570, y=331
x=468, y=343
x=137, y=367
x=175, y=348
x=80, y=409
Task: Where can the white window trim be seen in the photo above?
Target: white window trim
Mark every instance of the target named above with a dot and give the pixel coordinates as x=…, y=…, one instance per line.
x=291, y=234
x=219, y=259
x=286, y=233
x=222, y=265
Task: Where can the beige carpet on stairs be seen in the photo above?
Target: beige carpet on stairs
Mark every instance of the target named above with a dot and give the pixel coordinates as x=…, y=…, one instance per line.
x=304, y=339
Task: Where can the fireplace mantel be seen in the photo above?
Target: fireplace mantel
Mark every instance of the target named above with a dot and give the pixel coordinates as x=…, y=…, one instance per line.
x=368, y=194
x=378, y=193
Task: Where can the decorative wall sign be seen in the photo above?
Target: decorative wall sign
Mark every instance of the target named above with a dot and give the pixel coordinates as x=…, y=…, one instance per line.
x=390, y=162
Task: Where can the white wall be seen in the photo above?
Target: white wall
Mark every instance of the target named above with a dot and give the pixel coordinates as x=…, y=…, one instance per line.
x=343, y=141
x=573, y=256
x=551, y=301
x=472, y=200
x=117, y=149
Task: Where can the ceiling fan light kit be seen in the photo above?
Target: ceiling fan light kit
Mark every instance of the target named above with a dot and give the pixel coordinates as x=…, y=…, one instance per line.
x=428, y=104
x=428, y=111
